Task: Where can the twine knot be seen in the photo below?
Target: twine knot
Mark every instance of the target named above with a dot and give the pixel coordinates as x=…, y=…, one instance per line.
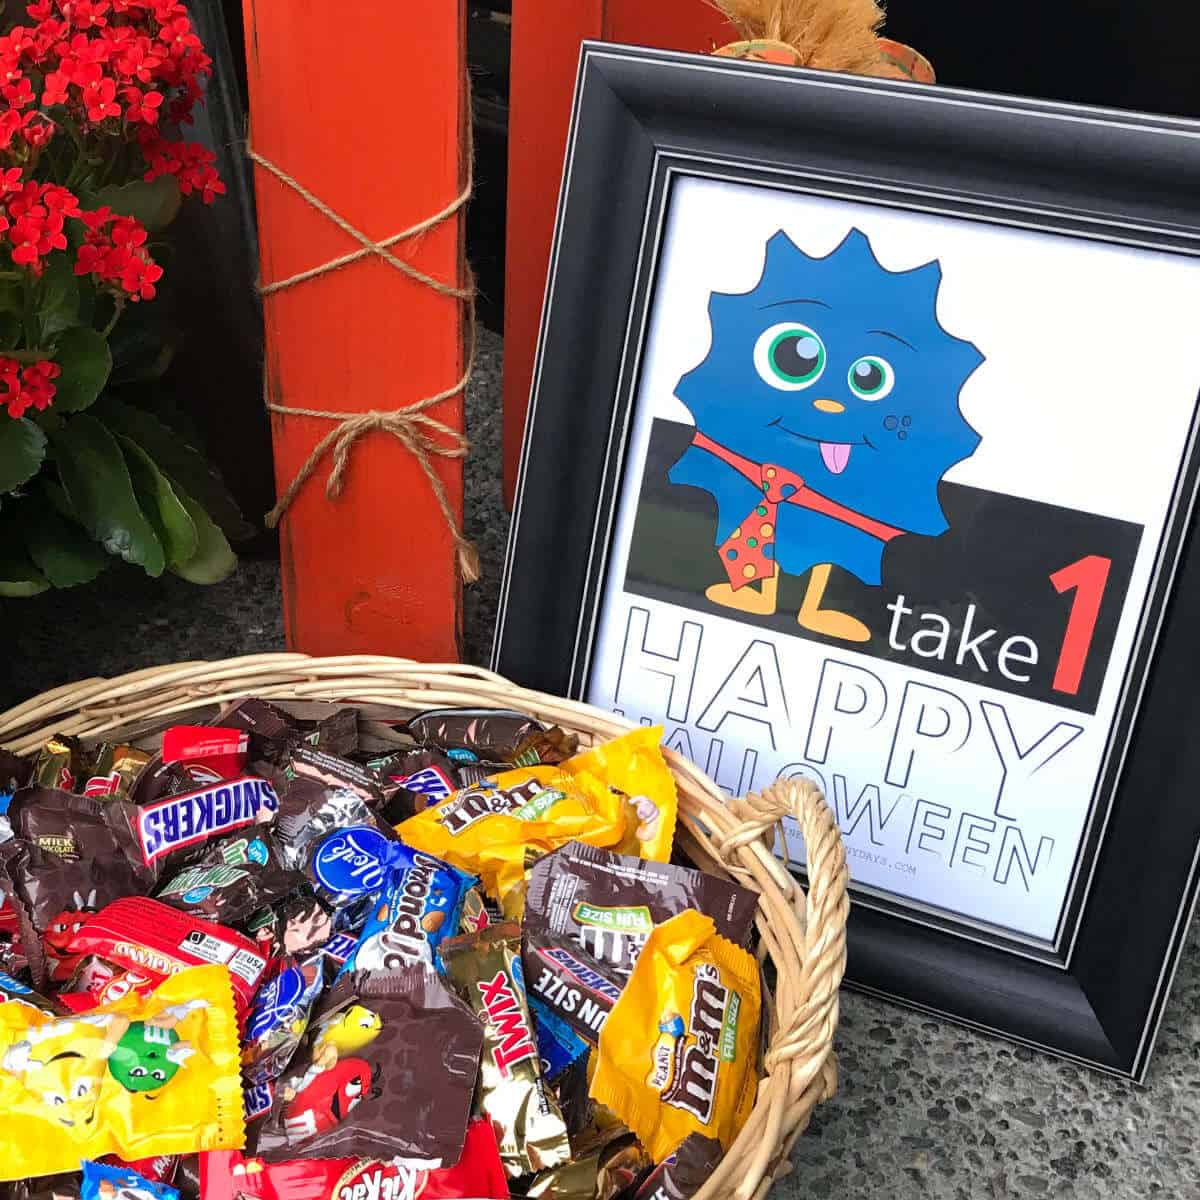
x=423, y=436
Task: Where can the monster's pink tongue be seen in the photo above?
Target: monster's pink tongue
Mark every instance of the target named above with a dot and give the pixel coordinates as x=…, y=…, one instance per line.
x=835, y=455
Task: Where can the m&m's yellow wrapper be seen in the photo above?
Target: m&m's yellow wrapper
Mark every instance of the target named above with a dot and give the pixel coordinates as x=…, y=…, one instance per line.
x=619, y=795
x=678, y=1052
x=139, y=1077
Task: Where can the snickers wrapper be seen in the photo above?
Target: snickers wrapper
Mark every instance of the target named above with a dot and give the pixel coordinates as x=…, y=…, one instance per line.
x=571, y=983
x=485, y=968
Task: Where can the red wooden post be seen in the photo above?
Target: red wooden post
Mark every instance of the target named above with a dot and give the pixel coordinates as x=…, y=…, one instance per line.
x=364, y=105
x=545, y=53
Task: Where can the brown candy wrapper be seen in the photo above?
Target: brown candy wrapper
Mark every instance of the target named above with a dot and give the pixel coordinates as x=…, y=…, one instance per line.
x=61, y=823
x=573, y=984
x=67, y=1185
x=608, y=903
x=681, y=1176
x=333, y=772
x=387, y=1069
x=549, y=746
x=489, y=734
x=55, y=896
x=337, y=734
x=485, y=968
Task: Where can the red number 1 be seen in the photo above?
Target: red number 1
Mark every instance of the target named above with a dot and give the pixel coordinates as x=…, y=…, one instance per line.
x=1088, y=577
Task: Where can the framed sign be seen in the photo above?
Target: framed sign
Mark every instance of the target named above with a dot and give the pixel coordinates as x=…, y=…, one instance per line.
x=862, y=447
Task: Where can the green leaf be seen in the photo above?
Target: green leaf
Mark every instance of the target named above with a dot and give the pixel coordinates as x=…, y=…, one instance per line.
x=84, y=358
x=214, y=560
x=97, y=483
x=175, y=528
x=22, y=451
x=59, y=303
x=63, y=553
x=18, y=576
x=155, y=204
x=179, y=461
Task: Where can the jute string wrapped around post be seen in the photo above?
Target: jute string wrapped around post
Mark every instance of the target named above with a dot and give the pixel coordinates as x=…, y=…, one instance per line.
x=423, y=436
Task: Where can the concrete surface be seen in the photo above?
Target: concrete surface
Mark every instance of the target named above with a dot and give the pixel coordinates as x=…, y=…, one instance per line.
x=926, y=1109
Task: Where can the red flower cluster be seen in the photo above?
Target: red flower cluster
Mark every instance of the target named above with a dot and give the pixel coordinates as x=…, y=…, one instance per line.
x=32, y=217
x=116, y=67
x=114, y=253
x=27, y=386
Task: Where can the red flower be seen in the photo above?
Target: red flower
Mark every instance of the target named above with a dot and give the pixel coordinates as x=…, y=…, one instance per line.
x=55, y=89
x=26, y=387
x=99, y=92
x=19, y=93
x=141, y=106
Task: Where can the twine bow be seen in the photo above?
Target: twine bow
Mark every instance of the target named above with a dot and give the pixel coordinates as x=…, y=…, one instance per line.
x=423, y=436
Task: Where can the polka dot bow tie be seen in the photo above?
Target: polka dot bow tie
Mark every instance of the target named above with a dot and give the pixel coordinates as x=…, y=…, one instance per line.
x=749, y=551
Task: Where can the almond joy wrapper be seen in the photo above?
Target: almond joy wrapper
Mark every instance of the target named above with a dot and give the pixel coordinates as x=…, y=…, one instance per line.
x=387, y=1069
x=485, y=968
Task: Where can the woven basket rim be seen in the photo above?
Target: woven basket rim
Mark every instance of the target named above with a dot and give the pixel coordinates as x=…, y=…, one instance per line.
x=804, y=936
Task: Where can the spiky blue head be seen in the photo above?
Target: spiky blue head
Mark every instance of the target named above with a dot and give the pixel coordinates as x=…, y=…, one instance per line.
x=839, y=370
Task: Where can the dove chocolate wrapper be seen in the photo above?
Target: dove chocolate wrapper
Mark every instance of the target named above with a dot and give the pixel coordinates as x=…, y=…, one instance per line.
x=378, y=1047
x=485, y=968
x=608, y=903
x=679, y=1050
x=684, y=1173
x=143, y=1076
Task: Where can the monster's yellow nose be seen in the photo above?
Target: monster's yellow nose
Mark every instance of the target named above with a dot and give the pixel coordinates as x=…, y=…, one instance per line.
x=823, y=404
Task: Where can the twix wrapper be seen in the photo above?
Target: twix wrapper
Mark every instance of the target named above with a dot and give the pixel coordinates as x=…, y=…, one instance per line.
x=485, y=968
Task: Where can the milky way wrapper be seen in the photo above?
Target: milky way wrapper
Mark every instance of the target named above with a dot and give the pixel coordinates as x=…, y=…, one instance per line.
x=682, y=1174
x=679, y=1051
x=485, y=968
x=620, y=795
x=608, y=903
x=387, y=1069
x=139, y=1077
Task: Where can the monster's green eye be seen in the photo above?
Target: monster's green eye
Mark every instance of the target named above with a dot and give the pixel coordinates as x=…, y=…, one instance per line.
x=871, y=377
x=789, y=356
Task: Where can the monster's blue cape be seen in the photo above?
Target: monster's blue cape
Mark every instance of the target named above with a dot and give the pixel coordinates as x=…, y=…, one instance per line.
x=838, y=370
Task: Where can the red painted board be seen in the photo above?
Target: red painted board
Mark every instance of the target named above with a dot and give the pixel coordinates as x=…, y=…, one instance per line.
x=365, y=106
x=546, y=35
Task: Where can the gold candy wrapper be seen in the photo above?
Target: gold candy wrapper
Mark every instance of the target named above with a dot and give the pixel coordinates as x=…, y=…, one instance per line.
x=485, y=968
x=58, y=763
x=602, y=1175
x=114, y=771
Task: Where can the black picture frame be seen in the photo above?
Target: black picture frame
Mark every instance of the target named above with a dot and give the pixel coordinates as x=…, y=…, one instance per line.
x=643, y=117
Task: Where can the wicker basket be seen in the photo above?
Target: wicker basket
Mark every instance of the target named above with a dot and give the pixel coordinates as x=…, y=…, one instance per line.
x=802, y=936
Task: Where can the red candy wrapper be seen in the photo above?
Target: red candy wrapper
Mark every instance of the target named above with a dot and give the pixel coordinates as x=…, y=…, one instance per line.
x=478, y=1175
x=207, y=753
x=136, y=943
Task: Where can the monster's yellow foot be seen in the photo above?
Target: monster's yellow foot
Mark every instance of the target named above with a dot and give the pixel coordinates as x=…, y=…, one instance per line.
x=828, y=621
x=746, y=599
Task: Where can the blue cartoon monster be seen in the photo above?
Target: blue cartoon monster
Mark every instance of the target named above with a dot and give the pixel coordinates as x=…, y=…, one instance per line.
x=826, y=413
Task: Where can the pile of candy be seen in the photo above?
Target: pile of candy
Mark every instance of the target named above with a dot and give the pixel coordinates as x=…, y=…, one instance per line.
x=341, y=958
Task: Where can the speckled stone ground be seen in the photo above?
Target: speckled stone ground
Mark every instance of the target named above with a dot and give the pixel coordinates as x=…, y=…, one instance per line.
x=926, y=1110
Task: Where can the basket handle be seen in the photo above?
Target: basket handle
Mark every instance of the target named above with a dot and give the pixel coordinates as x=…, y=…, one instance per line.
x=799, y=1063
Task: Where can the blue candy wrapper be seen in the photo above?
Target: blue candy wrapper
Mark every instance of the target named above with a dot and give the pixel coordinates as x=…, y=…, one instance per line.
x=558, y=1044
x=418, y=907
x=102, y=1182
